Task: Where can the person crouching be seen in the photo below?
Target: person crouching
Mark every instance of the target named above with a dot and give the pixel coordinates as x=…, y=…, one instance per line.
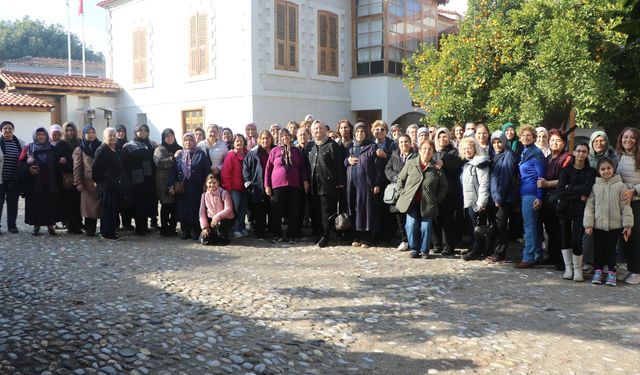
x=216, y=213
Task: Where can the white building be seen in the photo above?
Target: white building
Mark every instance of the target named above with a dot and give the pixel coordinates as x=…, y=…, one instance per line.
x=194, y=62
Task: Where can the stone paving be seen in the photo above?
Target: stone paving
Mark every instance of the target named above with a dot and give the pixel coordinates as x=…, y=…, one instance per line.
x=71, y=304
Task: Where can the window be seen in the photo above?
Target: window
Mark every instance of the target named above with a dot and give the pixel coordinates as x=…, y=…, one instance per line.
x=327, y=43
x=140, y=55
x=191, y=119
x=369, y=44
x=198, y=45
x=286, y=30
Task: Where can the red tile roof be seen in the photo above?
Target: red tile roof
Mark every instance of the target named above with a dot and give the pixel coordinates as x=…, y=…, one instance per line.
x=18, y=100
x=106, y=3
x=38, y=80
x=55, y=62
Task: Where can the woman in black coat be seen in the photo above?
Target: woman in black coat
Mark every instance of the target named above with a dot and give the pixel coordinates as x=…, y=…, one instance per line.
x=192, y=168
x=63, y=155
x=113, y=183
x=253, y=174
x=449, y=218
x=137, y=159
x=398, y=159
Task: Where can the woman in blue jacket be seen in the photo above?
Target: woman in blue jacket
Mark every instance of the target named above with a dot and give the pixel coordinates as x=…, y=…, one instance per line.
x=532, y=167
x=503, y=191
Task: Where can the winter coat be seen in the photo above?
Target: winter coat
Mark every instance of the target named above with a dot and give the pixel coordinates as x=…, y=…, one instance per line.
x=475, y=183
x=503, y=177
x=572, y=185
x=107, y=169
x=188, y=203
x=231, y=172
x=253, y=174
x=42, y=197
x=326, y=168
x=395, y=165
x=532, y=167
x=431, y=182
x=363, y=177
x=605, y=208
x=164, y=162
x=629, y=174
x=82, y=172
x=452, y=167
x=216, y=206
x=137, y=160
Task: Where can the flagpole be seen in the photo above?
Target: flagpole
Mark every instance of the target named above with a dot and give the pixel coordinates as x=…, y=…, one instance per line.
x=69, y=36
x=84, y=68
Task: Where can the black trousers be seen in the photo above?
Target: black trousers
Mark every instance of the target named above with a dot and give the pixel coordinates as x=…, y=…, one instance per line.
x=168, y=220
x=400, y=221
x=219, y=235
x=445, y=228
x=321, y=207
x=551, y=223
x=604, y=248
x=260, y=212
x=90, y=225
x=285, y=199
x=632, y=246
x=502, y=230
x=109, y=218
x=571, y=231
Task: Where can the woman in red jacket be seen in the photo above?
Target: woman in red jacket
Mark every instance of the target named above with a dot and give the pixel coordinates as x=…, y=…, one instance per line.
x=233, y=182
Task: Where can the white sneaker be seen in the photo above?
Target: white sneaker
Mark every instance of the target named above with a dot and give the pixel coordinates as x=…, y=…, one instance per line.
x=403, y=246
x=237, y=235
x=633, y=279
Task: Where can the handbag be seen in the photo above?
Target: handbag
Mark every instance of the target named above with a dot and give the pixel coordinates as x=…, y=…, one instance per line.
x=67, y=180
x=390, y=194
x=341, y=221
x=178, y=188
x=483, y=226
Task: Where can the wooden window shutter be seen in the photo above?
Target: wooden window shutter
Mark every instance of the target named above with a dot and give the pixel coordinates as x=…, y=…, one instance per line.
x=136, y=57
x=322, y=43
x=292, y=20
x=193, y=45
x=280, y=37
x=333, y=44
x=139, y=55
x=143, y=55
x=203, y=50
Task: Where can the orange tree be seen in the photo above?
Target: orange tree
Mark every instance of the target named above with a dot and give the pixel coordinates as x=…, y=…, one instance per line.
x=526, y=61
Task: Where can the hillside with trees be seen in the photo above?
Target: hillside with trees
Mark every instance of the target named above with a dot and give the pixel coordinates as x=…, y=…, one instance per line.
x=28, y=37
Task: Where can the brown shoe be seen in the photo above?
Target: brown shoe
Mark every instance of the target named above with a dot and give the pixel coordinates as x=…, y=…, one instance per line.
x=522, y=265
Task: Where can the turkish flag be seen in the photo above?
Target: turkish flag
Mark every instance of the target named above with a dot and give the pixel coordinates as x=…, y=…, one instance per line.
x=80, y=8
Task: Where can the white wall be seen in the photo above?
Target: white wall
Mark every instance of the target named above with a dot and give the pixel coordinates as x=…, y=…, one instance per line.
x=26, y=122
x=72, y=109
x=381, y=92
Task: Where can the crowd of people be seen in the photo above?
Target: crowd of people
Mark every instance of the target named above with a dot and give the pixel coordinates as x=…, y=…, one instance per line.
x=432, y=189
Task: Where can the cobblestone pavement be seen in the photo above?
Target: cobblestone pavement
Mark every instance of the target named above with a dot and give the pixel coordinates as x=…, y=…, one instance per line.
x=71, y=304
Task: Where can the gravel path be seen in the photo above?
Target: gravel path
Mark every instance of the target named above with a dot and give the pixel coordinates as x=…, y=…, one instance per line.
x=71, y=304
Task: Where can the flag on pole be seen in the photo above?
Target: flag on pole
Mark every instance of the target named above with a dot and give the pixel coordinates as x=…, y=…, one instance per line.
x=80, y=9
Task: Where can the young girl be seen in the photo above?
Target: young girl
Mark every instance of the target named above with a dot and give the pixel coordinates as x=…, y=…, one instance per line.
x=605, y=216
x=216, y=213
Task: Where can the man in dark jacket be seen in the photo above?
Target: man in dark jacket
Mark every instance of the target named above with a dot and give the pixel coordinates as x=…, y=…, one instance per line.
x=326, y=159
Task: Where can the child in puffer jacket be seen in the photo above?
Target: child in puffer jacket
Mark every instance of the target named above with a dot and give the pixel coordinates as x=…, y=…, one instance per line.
x=216, y=213
x=605, y=218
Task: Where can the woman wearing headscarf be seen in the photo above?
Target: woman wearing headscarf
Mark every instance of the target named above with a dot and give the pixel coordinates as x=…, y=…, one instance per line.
x=542, y=140
x=191, y=168
x=398, y=160
x=121, y=138
x=137, y=159
x=42, y=195
x=126, y=207
x=110, y=176
x=64, y=160
x=251, y=132
x=599, y=147
x=253, y=168
x=285, y=179
x=82, y=172
x=509, y=131
x=164, y=158
x=365, y=174
x=449, y=219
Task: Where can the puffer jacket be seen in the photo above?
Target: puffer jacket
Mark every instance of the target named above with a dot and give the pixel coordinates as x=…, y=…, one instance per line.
x=475, y=182
x=433, y=185
x=605, y=208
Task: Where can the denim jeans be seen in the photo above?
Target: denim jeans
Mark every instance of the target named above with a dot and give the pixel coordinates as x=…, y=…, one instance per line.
x=10, y=195
x=418, y=229
x=239, y=199
x=531, y=251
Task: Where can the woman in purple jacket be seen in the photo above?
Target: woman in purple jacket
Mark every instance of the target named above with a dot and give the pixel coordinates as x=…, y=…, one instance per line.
x=285, y=176
x=532, y=167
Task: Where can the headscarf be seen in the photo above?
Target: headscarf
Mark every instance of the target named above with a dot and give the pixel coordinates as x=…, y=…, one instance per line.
x=87, y=147
x=422, y=130
x=469, y=133
x=54, y=128
x=357, y=146
x=544, y=148
x=121, y=142
x=172, y=148
x=499, y=135
x=188, y=155
x=73, y=142
x=593, y=156
x=146, y=142
x=515, y=142
x=251, y=141
x=438, y=131
x=37, y=150
x=286, y=149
